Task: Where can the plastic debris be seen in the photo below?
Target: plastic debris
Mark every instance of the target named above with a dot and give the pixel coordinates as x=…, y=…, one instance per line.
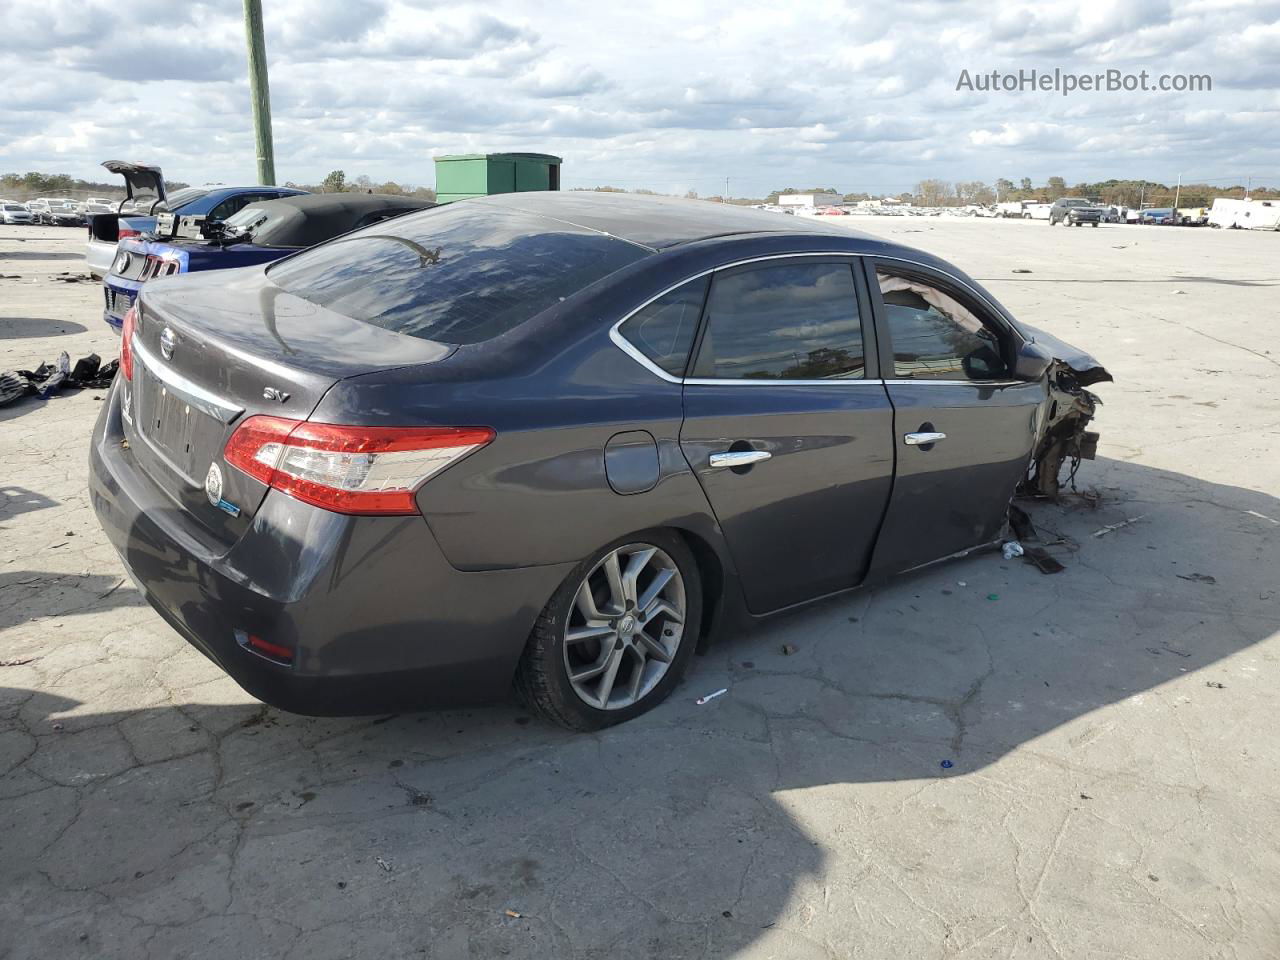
x=1043, y=562
x=1012, y=549
x=1112, y=527
x=88, y=372
x=946, y=764
x=711, y=696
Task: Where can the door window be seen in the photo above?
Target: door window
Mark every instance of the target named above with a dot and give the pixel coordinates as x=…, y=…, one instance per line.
x=935, y=336
x=792, y=321
x=663, y=331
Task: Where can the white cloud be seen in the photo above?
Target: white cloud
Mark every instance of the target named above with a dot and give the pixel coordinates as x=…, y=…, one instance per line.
x=664, y=94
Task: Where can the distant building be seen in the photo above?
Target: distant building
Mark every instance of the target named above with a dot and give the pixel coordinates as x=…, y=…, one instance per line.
x=809, y=199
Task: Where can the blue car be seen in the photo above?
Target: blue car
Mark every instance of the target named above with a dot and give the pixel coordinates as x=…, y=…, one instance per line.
x=263, y=231
x=148, y=208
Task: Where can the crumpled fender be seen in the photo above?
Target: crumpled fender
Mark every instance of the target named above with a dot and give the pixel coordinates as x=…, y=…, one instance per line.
x=1088, y=371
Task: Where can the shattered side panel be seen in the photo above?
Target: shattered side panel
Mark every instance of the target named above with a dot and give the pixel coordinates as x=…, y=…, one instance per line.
x=1065, y=437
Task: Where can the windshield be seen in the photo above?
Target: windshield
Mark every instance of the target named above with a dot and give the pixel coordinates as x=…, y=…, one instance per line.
x=458, y=274
x=176, y=200
x=247, y=220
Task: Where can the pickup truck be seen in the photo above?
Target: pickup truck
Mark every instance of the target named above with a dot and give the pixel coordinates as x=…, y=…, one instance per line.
x=1076, y=212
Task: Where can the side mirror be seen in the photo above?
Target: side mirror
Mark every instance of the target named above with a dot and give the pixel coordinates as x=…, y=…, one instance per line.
x=1032, y=361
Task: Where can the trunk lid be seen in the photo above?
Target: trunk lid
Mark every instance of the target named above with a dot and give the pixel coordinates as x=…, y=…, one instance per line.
x=212, y=349
x=139, y=178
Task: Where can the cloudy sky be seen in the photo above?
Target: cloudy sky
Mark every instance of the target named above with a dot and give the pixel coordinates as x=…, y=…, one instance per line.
x=669, y=95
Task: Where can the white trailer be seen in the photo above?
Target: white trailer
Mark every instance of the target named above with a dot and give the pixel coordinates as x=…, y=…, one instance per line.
x=1245, y=214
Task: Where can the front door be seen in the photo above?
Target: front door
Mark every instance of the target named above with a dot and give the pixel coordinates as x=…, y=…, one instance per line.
x=786, y=429
x=964, y=428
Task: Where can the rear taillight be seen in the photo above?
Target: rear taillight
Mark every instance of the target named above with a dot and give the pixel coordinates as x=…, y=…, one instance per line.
x=127, y=330
x=357, y=470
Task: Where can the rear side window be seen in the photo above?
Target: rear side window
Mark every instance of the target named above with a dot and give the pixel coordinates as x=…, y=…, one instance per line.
x=783, y=322
x=461, y=273
x=935, y=336
x=664, y=330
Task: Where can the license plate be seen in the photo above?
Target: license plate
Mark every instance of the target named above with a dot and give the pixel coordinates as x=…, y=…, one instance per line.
x=181, y=434
x=118, y=304
x=164, y=225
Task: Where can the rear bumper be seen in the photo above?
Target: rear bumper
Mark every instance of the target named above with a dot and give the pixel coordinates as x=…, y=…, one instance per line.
x=119, y=296
x=377, y=618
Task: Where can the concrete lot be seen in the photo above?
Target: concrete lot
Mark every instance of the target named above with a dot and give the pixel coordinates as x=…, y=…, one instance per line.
x=1111, y=730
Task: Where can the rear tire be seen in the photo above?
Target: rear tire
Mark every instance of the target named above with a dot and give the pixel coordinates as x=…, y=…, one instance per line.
x=614, y=644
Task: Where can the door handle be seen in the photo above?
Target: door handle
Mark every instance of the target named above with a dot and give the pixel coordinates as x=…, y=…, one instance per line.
x=920, y=439
x=738, y=458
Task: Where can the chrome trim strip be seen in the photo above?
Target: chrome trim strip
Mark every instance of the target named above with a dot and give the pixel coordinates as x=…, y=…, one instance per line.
x=770, y=382
x=630, y=350
x=194, y=394
x=961, y=383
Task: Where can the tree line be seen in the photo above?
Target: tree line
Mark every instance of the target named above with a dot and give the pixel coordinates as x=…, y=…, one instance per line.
x=337, y=182
x=1125, y=193
x=946, y=193
x=24, y=186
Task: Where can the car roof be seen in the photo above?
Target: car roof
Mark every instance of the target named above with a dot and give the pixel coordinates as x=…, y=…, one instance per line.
x=215, y=195
x=657, y=222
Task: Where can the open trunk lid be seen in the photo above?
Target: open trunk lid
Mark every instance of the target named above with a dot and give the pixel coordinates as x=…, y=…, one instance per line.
x=140, y=179
x=212, y=349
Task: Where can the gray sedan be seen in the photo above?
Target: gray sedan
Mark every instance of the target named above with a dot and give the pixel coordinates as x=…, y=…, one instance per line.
x=15, y=213
x=557, y=441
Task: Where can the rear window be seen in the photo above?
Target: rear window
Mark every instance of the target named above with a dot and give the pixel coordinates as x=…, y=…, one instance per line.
x=462, y=273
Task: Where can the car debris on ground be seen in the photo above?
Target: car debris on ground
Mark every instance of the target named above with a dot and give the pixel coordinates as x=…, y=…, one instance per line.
x=1113, y=527
x=87, y=373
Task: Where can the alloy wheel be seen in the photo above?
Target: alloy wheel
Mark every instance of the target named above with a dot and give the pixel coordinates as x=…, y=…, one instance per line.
x=625, y=626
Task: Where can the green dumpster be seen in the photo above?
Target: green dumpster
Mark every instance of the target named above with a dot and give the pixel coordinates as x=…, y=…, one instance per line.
x=479, y=174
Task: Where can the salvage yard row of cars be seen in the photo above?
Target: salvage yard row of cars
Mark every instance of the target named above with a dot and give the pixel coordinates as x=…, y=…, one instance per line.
x=404, y=456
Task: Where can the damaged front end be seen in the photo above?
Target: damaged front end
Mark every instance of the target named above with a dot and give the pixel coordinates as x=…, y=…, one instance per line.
x=1071, y=407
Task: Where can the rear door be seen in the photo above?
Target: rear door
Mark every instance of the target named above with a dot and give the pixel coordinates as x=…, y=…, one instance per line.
x=964, y=427
x=787, y=427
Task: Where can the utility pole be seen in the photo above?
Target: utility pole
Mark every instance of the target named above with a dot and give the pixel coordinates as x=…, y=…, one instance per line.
x=259, y=91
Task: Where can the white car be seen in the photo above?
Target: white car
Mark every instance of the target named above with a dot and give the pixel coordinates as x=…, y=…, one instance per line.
x=15, y=213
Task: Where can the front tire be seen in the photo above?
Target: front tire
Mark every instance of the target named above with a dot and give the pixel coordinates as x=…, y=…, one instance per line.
x=616, y=636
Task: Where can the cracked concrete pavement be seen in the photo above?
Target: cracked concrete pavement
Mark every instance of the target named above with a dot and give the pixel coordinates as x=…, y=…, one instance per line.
x=1113, y=781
